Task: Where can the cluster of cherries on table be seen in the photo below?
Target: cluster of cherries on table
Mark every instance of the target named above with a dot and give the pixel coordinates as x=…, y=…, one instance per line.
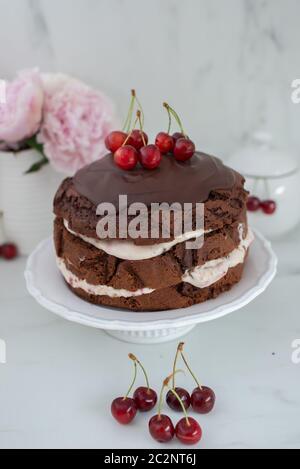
x=161, y=428
x=8, y=251
x=254, y=204
x=130, y=147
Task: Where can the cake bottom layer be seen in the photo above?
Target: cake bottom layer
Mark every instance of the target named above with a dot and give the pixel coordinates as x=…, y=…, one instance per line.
x=182, y=295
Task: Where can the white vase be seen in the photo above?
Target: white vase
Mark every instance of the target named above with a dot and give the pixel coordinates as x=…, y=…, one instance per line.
x=26, y=200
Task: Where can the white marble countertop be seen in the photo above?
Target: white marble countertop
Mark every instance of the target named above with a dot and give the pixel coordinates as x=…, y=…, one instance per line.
x=60, y=378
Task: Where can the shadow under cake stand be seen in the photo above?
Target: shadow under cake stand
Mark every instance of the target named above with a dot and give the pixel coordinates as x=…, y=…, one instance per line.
x=46, y=285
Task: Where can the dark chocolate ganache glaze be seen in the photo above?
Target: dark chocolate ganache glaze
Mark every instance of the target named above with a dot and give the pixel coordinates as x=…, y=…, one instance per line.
x=173, y=181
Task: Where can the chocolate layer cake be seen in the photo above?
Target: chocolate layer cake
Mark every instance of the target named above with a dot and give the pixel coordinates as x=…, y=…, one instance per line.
x=152, y=274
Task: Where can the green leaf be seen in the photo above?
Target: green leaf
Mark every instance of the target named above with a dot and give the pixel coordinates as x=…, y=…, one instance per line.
x=33, y=143
x=37, y=166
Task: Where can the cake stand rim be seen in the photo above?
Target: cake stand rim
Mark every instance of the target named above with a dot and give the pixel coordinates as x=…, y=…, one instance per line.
x=153, y=324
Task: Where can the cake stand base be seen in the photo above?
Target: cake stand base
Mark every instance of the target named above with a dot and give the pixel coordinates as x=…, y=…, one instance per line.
x=157, y=336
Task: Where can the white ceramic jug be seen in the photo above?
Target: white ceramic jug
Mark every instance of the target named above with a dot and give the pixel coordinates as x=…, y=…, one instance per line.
x=26, y=200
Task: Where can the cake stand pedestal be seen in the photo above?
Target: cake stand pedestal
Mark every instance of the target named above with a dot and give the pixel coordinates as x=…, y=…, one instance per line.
x=46, y=285
x=157, y=336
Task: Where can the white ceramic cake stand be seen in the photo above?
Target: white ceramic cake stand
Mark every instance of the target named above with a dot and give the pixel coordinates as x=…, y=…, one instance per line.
x=46, y=285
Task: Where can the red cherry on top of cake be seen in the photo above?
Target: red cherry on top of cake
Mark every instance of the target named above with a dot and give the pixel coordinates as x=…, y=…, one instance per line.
x=150, y=157
x=115, y=140
x=138, y=139
x=164, y=142
x=184, y=149
x=131, y=148
x=126, y=157
x=177, y=135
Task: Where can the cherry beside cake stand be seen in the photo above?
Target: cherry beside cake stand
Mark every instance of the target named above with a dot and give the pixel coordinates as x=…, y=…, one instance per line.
x=46, y=285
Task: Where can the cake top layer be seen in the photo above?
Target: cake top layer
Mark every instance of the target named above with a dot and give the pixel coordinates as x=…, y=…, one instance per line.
x=173, y=181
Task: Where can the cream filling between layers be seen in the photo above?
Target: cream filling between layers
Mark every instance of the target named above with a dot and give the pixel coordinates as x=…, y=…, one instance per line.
x=127, y=250
x=200, y=277
x=213, y=271
x=97, y=290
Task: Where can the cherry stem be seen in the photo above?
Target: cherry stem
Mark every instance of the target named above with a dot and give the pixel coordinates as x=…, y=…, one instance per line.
x=165, y=385
x=161, y=399
x=136, y=360
x=182, y=406
x=189, y=368
x=141, y=110
x=176, y=116
x=130, y=133
x=128, y=121
x=133, y=382
x=174, y=366
x=138, y=114
x=170, y=118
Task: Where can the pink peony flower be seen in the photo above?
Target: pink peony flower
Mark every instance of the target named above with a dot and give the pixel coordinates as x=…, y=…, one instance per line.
x=77, y=120
x=21, y=114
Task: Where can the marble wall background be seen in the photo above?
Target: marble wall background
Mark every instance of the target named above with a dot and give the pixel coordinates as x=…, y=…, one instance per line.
x=227, y=66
